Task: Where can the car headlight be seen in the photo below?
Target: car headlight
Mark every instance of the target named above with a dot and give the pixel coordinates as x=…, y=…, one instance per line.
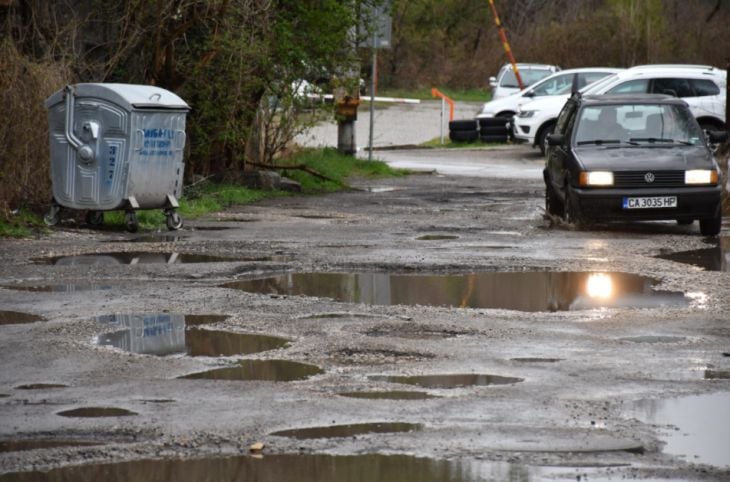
x=526, y=114
x=596, y=178
x=700, y=176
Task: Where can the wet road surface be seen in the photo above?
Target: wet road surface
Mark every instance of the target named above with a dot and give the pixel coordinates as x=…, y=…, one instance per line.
x=432, y=327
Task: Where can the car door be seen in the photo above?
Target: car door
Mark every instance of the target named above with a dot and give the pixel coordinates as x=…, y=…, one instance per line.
x=557, y=156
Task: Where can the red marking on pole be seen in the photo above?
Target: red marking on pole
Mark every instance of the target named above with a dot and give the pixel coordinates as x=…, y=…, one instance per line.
x=505, y=44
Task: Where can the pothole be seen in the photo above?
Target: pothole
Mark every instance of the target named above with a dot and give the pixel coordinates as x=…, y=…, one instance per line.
x=530, y=291
x=374, y=355
x=60, y=288
x=18, y=318
x=24, y=445
x=436, y=237
x=389, y=395
x=284, y=468
x=716, y=258
x=695, y=427
x=40, y=386
x=139, y=257
x=156, y=238
x=264, y=370
x=165, y=334
x=536, y=360
x=654, y=339
x=416, y=331
x=97, y=412
x=717, y=374
x=351, y=430
x=448, y=381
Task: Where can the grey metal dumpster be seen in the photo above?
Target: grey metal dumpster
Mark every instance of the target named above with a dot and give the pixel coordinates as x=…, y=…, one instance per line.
x=116, y=146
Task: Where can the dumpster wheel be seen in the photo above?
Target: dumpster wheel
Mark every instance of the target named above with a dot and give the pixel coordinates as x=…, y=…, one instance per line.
x=173, y=220
x=54, y=215
x=130, y=221
x=95, y=218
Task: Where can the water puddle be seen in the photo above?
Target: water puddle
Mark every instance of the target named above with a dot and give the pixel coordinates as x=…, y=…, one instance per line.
x=264, y=370
x=137, y=257
x=287, y=468
x=352, y=430
x=166, y=334
x=40, y=386
x=97, y=412
x=654, y=339
x=156, y=238
x=436, y=237
x=536, y=360
x=389, y=395
x=59, y=288
x=24, y=445
x=715, y=258
x=717, y=374
x=17, y=318
x=530, y=291
x=448, y=381
x=696, y=427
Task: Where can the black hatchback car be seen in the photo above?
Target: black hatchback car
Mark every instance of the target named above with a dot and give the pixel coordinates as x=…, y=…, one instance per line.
x=632, y=157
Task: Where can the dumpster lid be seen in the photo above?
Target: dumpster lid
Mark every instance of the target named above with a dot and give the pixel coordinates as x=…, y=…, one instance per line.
x=129, y=96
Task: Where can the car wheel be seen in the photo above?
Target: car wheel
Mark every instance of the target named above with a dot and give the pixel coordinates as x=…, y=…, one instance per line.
x=464, y=136
x=553, y=204
x=572, y=208
x=541, y=139
x=711, y=226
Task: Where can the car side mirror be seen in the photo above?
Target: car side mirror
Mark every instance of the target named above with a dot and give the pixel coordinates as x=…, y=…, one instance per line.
x=529, y=93
x=555, y=139
x=717, y=137
x=493, y=81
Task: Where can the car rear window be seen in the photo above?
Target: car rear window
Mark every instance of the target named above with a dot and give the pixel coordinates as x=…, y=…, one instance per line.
x=529, y=77
x=705, y=87
x=677, y=87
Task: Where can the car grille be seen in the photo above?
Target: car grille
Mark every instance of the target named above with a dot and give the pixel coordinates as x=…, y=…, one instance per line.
x=639, y=179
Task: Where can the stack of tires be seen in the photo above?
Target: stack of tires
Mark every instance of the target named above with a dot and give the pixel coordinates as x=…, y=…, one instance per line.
x=465, y=130
x=487, y=129
x=494, y=129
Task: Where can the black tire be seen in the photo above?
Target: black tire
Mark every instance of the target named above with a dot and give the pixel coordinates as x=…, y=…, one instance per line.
x=572, y=208
x=174, y=221
x=493, y=139
x=541, y=139
x=130, y=222
x=494, y=131
x=464, y=136
x=553, y=204
x=463, y=125
x=711, y=226
x=493, y=121
x=95, y=218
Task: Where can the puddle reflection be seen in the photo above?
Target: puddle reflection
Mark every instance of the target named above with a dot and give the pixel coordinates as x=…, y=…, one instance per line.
x=138, y=257
x=702, y=431
x=264, y=370
x=389, y=395
x=165, y=334
x=339, y=431
x=97, y=412
x=448, y=381
x=17, y=318
x=288, y=468
x=522, y=291
x=715, y=258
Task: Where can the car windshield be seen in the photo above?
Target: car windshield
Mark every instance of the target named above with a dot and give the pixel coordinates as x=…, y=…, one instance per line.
x=529, y=77
x=637, y=124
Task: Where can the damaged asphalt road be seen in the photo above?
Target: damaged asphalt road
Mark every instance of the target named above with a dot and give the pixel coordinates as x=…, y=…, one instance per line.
x=433, y=324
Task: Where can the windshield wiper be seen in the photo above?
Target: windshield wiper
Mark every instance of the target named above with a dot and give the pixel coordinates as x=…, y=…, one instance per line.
x=653, y=140
x=599, y=142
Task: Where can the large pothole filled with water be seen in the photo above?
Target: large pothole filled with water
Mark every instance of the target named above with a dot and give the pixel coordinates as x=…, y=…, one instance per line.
x=530, y=291
x=262, y=370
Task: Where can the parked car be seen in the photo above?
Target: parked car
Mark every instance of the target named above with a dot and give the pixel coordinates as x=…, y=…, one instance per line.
x=505, y=83
x=551, y=85
x=702, y=87
x=632, y=157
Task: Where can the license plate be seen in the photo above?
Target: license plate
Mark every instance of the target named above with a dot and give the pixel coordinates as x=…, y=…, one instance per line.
x=650, y=202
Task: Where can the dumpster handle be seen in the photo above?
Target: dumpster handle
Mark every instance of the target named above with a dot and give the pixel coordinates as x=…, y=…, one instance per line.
x=86, y=153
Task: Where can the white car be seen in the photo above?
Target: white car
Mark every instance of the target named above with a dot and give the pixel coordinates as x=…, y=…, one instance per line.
x=702, y=87
x=552, y=85
x=505, y=83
